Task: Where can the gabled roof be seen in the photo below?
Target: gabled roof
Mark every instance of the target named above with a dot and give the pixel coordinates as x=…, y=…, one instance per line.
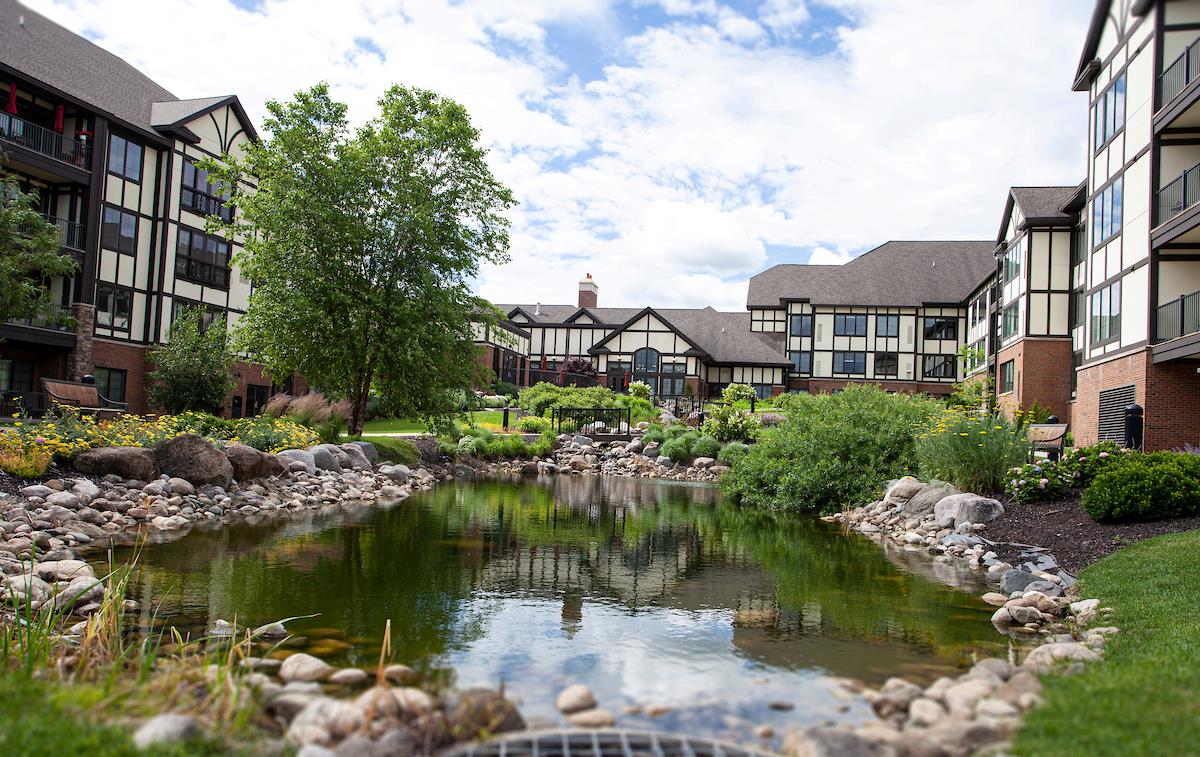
x=552, y=314
x=897, y=274
x=1040, y=206
x=85, y=73
x=716, y=337
x=1088, y=65
x=172, y=115
x=787, y=280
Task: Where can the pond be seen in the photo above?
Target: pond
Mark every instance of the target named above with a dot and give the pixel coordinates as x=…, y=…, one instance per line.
x=649, y=592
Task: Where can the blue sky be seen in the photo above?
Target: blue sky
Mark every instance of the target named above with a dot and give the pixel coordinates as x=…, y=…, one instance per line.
x=673, y=148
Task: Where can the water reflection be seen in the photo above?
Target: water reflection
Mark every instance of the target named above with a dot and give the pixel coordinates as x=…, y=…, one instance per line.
x=650, y=592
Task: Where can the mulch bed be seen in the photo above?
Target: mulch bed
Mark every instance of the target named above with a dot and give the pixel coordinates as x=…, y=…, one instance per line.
x=1070, y=534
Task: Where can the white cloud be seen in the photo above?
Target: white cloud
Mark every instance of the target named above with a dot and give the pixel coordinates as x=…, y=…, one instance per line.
x=826, y=256
x=700, y=145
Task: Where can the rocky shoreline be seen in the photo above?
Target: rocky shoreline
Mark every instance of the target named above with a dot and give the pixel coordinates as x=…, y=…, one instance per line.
x=1037, y=604
x=583, y=456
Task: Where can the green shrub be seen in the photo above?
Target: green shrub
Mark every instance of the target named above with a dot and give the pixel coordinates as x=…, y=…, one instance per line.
x=729, y=424
x=974, y=452
x=732, y=452
x=676, y=430
x=654, y=434
x=639, y=390
x=706, y=446
x=1085, y=463
x=833, y=450
x=738, y=393
x=534, y=424
x=505, y=388
x=1144, y=487
x=1038, y=480
x=678, y=449
x=544, y=446
x=543, y=397
x=639, y=408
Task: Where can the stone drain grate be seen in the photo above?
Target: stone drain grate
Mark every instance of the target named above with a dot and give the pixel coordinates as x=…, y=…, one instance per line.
x=606, y=743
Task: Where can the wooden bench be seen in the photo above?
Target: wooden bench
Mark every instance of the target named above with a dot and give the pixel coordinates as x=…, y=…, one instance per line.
x=1051, y=437
x=86, y=397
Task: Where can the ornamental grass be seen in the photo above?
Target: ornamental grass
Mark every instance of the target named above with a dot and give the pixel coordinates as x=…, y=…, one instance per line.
x=973, y=451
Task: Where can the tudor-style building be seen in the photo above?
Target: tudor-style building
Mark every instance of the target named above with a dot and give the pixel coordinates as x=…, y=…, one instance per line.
x=1139, y=267
x=112, y=154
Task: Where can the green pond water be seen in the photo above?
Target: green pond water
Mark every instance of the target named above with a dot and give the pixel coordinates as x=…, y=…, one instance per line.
x=649, y=592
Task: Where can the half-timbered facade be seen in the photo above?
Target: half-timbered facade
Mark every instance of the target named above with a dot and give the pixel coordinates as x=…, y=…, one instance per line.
x=113, y=156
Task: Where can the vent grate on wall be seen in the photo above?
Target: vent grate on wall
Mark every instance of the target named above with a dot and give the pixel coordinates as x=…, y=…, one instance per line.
x=1112, y=412
x=605, y=743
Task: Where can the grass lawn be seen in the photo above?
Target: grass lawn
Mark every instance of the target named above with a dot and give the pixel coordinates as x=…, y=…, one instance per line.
x=1145, y=697
x=489, y=419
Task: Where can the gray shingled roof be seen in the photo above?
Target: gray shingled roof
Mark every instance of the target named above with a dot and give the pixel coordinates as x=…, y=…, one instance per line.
x=785, y=280
x=84, y=71
x=897, y=274
x=1043, y=203
x=176, y=111
x=560, y=313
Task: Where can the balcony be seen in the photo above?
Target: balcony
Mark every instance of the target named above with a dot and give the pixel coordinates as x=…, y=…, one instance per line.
x=1176, y=219
x=1173, y=321
x=44, y=142
x=1179, y=74
x=54, y=328
x=71, y=235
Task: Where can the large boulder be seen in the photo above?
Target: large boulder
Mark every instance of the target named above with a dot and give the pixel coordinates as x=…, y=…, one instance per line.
x=126, y=462
x=923, y=502
x=1016, y=580
x=339, y=455
x=249, y=464
x=369, y=450
x=957, y=509
x=356, y=456
x=483, y=711
x=193, y=459
x=902, y=490
x=324, y=459
x=300, y=456
x=398, y=473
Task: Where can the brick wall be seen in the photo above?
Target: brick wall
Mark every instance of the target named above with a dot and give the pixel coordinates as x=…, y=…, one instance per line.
x=1041, y=375
x=1172, y=405
x=130, y=358
x=1093, y=379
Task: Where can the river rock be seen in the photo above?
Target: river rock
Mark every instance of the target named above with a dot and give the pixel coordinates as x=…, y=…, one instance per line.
x=962, y=697
x=304, y=667
x=380, y=701
x=126, y=462
x=995, y=598
x=593, y=718
x=180, y=486
x=25, y=587
x=903, y=490
x=924, y=501
x=36, y=490
x=895, y=696
x=1015, y=580
x=369, y=451
x=165, y=730
x=193, y=458
x=63, y=570
x=324, y=458
x=821, y=741
x=333, y=716
x=350, y=677
x=301, y=456
x=86, y=490
x=1047, y=656
x=704, y=462
x=652, y=450
x=925, y=712
x=80, y=591
x=250, y=464
x=398, y=473
x=575, y=698
x=480, y=710
x=958, y=509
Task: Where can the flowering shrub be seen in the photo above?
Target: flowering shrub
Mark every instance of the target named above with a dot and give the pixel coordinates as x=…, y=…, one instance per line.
x=974, y=452
x=770, y=420
x=1085, y=463
x=738, y=393
x=729, y=424
x=639, y=389
x=1076, y=470
x=17, y=459
x=65, y=431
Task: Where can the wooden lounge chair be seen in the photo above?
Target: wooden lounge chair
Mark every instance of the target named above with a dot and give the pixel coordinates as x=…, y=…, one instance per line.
x=86, y=397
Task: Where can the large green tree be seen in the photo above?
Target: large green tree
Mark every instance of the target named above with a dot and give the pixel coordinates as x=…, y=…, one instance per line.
x=30, y=253
x=192, y=370
x=362, y=243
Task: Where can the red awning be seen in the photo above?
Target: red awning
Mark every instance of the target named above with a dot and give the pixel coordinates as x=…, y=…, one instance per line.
x=12, y=99
x=58, y=119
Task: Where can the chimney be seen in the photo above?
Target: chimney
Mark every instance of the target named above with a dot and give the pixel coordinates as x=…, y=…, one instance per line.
x=588, y=292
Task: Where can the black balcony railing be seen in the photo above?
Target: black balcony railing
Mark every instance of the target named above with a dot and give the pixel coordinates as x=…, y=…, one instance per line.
x=560, y=378
x=1178, y=317
x=48, y=142
x=1179, y=195
x=71, y=234
x=1179, y=74
x=57, y=319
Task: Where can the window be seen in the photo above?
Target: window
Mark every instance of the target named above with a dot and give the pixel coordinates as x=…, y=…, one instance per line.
x=762, y=390
x=113, y=306
x=1109, y=113
x=887, y=364
x=1007, y=371
x=976, y=355
x=16, y=375
x=1106, y=314
x=801, y=361
x=111, y=383
x=850, y=362
x=125, y=158
x=1106, y=212
x=199, y=195
x=939, y=366
x=887, y=325
x=645, y=360
x=202, y=258
x=1079, y=247
x=941, y=328
x=210, y=313
x=119, y=230
x=849, y=325
x=1012, y=261
x=801, y=325
x=1011, y=320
